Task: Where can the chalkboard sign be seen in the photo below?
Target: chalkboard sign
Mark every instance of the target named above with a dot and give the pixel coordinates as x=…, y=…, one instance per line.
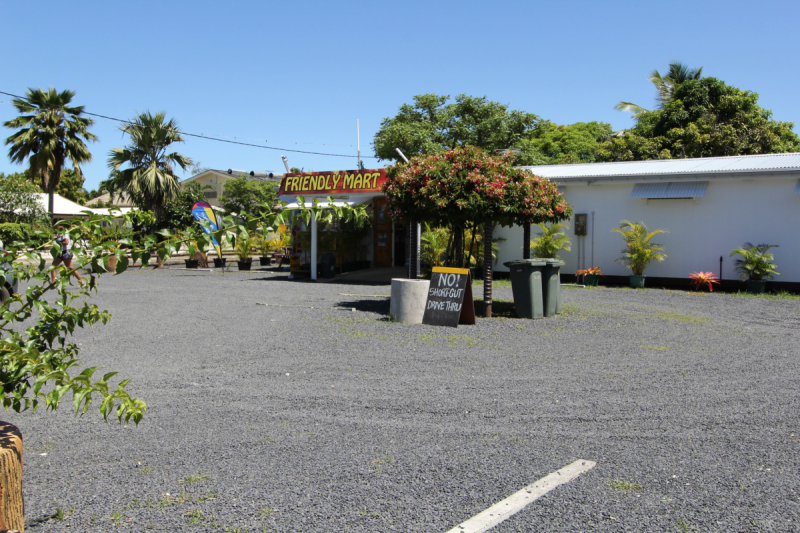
x=449, y=298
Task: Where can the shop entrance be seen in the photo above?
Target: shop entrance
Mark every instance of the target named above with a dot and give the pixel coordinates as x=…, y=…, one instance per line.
x=383, y=234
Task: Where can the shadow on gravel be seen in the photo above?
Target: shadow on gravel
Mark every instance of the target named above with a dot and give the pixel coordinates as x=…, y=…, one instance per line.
x=371, y=305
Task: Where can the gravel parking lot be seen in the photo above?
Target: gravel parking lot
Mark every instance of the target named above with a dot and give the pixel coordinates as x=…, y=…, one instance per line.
x=305, y=415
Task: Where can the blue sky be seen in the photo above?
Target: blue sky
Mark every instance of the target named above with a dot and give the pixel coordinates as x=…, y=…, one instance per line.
x=297, y=75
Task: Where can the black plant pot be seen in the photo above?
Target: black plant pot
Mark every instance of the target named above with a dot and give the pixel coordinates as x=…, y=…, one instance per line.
x=219, y=262
x=192, y=263
x=265, y=260
x=245, y=265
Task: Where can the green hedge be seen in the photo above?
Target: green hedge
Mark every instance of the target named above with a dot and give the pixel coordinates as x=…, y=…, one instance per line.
x=11, y=232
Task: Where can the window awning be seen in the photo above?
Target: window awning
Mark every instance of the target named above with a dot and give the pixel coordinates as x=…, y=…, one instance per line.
x=671, y=189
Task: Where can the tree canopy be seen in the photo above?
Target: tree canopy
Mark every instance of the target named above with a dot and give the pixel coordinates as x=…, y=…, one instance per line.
x=144, y=168
x=665, y=85
x=51, y=131
x=18, y=202
x=467, y=185
x=704, y=118
x=243, y=195
x=553, y=144
x=178, y=211
x=432, y=125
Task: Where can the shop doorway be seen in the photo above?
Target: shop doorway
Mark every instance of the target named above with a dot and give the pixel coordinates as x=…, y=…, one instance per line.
x=383, y=234
x=400, y=244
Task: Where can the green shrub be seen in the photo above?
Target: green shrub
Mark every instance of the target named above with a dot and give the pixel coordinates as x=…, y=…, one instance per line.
x=11, y=232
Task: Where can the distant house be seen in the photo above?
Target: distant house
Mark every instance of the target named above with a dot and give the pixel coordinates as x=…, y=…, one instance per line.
x=216, y=179
x=709, y=206
x=65, y=209
x=119, y=200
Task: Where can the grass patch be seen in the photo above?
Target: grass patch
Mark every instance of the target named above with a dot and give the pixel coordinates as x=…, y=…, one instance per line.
x=46, y=447
x=780, y=295
x=496, y=283
x=370, y=515
x=621, y=484
x=671, y=316
x=195, y=478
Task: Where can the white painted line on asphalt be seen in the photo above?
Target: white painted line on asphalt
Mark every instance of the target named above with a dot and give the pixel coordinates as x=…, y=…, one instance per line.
x=502, y=510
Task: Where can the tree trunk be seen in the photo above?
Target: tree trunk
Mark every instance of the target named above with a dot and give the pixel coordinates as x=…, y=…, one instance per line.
x=526, y=240
x=487, y=270
x=448, y=254
x=472, y=244
x=458, y=232
x=49, y=185
x=413, y=250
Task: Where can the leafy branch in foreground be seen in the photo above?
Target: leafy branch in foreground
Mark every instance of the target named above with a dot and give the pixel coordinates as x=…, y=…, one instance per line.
x=37, y=364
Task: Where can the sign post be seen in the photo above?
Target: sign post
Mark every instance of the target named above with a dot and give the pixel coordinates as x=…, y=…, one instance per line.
x=449, y=298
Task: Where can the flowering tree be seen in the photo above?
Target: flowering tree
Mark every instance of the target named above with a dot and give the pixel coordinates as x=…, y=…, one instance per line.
x=468, y=186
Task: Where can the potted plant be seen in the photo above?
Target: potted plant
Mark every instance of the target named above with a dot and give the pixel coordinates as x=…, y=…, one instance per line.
x=755, y=265
x=265, y=248
x=703, y=278
x=591, y=276
x=192, y=250
x=551, y=241
x=639, y=251
x=244, y=249
x=219, y=261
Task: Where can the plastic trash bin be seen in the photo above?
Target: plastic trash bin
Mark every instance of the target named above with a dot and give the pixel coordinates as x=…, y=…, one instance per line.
x=328, y=269
x=526, y=286
x=551, y=286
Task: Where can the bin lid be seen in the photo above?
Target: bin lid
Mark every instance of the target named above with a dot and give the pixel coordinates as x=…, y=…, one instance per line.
x=552, y=261
x=529, y=262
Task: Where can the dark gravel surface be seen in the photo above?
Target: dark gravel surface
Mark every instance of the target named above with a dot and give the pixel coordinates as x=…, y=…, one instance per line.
x=306, y=416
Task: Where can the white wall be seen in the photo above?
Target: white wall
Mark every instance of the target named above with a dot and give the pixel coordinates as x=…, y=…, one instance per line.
x=760, y=210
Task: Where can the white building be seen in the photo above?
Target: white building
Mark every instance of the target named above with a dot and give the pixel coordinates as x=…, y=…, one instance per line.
x=709, y=206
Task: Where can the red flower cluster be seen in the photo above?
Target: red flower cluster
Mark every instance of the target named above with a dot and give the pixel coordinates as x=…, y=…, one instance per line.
x=469, y=185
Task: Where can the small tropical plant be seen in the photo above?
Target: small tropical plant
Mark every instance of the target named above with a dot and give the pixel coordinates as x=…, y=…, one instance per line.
x=756, y=261
x=434, y=245
x=594, y=271
x=639, y=251
x=551, y=241
x=244, y=247
x=704, y=278
x=264, y=244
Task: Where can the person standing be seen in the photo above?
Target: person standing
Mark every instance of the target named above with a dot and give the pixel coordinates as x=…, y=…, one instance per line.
x=65, y=257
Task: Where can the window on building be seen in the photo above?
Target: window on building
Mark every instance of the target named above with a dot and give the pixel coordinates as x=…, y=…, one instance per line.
x=674, y=190
x=210, y=194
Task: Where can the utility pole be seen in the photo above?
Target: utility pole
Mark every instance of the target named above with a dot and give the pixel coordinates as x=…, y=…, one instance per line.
x=413, y=239
x=358, y=143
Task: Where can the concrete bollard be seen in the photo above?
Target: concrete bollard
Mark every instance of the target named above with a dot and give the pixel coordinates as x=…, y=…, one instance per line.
x=12, y=511
x=408, y=300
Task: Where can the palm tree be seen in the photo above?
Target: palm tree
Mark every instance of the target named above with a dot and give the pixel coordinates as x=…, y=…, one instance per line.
x=50, y=133
x=434, y=245
x=148, y=178
x=666, y=86
x=551, y=241
x=639, y=250
x=756, y=262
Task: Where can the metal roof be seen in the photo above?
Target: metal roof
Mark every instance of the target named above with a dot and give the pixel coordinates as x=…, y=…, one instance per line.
x=672, y=167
